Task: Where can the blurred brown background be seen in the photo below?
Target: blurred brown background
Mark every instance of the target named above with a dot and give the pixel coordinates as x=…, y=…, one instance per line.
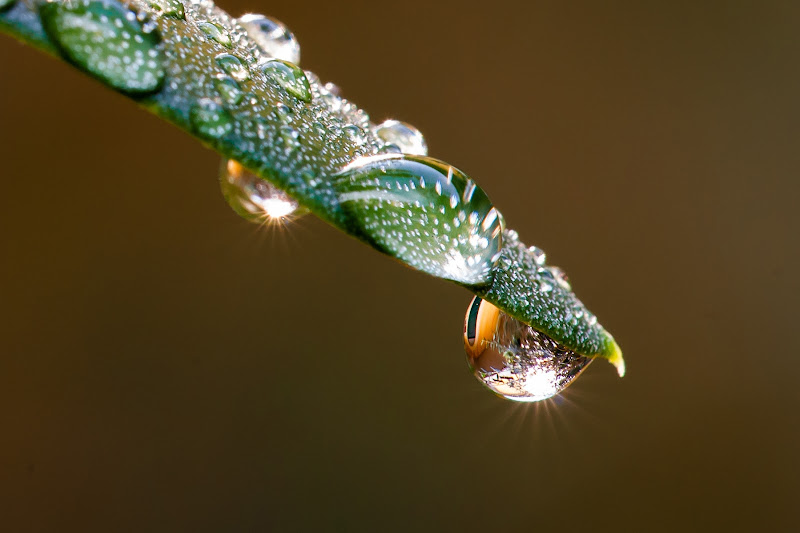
x=166, y=366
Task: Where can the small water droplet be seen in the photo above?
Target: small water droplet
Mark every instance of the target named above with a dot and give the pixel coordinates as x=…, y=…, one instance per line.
x=284, y=113
x=290, y=136
x=389, y=148
x=168, y=8
x=561, y=278
x=538, y=255
x=105, y=38
x=412, y=208
x=355, y=134
x=333, y=89
x=272, y=37
x=216, y=33
x=290, y=77
x=228, y=90
x=253, y=198
x=513, y=359
x=319, y=128
x=403, y=135
x=233, y=66
x=210, y=119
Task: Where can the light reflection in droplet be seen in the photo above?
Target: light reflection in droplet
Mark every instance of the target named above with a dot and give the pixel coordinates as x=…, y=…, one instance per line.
x=253, y=198
x=513, y=359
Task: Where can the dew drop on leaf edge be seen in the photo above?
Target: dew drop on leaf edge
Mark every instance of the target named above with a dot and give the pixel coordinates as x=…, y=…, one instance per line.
x=272, y=36
x=407, y=138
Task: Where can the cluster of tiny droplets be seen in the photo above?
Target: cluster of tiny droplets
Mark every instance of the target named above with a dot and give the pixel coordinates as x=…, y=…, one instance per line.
x=527, y=366
x=218, y=77
x=549, y=299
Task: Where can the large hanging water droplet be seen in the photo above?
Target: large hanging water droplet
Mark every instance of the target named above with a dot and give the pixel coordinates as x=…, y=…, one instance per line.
x=424, y=212
x=216, y=33
x=272, y=37
x=253, y=198
x=168, y=8
x=514, y=360
x=290, y=77
x=210, y=119
x=105, y=38
x=405, y=136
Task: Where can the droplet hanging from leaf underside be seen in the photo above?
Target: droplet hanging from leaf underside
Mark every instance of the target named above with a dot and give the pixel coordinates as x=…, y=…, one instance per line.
x=253, y=198
x=513, y=359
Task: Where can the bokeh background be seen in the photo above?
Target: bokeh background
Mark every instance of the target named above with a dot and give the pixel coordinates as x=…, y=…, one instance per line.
x=167, y=366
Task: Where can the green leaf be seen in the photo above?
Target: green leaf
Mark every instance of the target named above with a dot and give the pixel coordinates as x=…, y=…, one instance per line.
x=203, y=72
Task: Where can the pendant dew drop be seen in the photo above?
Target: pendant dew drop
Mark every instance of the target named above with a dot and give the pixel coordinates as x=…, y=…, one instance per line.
x=513, y=359
x=253, y=198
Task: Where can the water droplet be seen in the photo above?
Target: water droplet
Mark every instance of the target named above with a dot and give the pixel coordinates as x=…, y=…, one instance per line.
x=228, y=90
x=290, y=77
x=538, y=255
x=105, y=39
x=216, y=33
x=233, y=66
x=211, y=119
x=290, y=136
x=424, y=212
x=319, y=128
x=355, y=134
x=333, y=89
x=168, y=8
x=284, y=113
x=513, y=359
x=561, y=277
x=272, y=37
x=253, y=198
x=403, y=135
x=389, y=148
